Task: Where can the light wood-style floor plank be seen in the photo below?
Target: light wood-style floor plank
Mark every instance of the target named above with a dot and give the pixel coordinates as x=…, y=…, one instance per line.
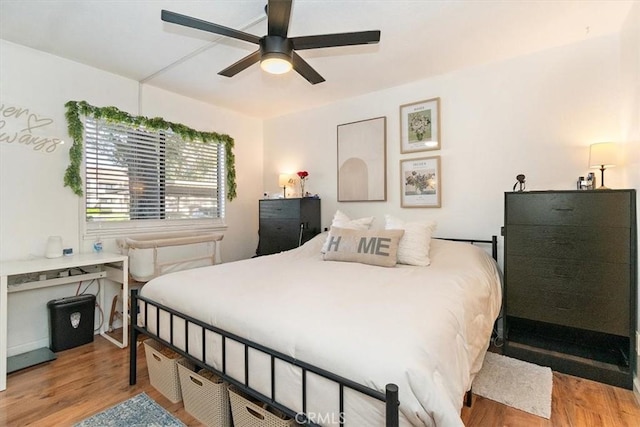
x=91, y=378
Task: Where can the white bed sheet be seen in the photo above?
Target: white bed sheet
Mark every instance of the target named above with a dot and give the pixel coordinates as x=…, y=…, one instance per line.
x=425, y=329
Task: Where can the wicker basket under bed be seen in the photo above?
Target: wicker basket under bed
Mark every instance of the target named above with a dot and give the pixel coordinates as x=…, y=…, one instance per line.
x=163, y=370
x=205, y=396
x=247, y=413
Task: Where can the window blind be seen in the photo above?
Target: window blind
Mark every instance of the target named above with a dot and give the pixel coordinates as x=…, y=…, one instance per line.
x=137, y=174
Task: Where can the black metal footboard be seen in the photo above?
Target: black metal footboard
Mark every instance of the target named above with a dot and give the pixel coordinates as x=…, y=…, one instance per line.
x=389, y=398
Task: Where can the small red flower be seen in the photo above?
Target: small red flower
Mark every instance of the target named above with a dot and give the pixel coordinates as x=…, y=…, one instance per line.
x=303, y=174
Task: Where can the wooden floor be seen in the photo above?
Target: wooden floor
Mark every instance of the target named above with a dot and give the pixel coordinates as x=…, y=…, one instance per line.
x=88, y=379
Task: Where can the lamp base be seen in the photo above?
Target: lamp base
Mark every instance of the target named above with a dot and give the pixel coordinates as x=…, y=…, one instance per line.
x=602, y=187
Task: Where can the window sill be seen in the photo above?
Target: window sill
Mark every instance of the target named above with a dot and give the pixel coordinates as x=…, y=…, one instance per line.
x=113, y=230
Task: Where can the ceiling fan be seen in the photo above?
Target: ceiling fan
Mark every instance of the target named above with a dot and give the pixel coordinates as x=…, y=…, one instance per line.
x=277, y=52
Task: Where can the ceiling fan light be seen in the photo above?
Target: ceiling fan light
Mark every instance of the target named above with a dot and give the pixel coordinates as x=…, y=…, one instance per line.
x=276, y=64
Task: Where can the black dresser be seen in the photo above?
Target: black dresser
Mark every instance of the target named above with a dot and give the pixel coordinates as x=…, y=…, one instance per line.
x=570, y=287
x=287, y=223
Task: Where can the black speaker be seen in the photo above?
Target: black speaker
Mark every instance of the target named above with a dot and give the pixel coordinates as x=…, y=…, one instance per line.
x=71, y=321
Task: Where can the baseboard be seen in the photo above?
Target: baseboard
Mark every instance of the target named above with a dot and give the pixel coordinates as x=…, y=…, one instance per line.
x=23, y=348
x=30, y=346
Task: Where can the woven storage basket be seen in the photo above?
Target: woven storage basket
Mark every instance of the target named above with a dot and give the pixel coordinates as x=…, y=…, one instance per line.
x=206, y=399
x=246, y=413
x=163, y=371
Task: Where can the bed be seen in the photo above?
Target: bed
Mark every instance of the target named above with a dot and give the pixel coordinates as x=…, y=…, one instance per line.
x=340, y=342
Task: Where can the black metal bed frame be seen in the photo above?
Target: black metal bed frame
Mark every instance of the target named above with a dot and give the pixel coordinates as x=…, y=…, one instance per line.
x=389, y=398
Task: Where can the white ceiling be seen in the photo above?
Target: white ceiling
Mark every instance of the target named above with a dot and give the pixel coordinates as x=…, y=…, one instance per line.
x=420, y=38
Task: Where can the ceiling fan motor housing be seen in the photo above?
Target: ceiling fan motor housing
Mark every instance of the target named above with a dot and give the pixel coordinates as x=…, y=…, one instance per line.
x=276, y=47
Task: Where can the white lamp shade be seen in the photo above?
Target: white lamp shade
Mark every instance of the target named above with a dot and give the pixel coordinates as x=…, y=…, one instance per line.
x=603, y=154
x=284, y=180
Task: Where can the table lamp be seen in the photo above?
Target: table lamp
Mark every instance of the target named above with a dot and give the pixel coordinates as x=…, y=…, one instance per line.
x=603, y=155
x=284, y=179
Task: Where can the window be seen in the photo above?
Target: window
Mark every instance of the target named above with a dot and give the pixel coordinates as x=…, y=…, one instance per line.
x=146, y=179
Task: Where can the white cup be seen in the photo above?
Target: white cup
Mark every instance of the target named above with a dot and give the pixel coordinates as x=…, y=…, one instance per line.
x=54, y=247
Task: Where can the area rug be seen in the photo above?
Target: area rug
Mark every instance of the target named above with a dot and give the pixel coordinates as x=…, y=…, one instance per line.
x=515, y=383
x=138, y=411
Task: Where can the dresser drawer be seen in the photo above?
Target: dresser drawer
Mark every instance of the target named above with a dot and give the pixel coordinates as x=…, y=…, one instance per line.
x=582, y=311
x=273, y=244
x=581, y=294
x=277, y=235
x=603, y=244
x=586, y=208
x=275, y=227
x=585, y=276
x=280, y=208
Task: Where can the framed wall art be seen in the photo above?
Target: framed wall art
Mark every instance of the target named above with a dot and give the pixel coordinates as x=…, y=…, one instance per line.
x=420, y=182
x=362, y=161
x=420, y=126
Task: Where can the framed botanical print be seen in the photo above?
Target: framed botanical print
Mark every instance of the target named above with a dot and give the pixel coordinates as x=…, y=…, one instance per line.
x=362, y=161
x=420, y=126
x=420, y=182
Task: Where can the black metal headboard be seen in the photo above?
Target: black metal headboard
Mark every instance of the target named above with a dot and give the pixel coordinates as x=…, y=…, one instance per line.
x=493, y=242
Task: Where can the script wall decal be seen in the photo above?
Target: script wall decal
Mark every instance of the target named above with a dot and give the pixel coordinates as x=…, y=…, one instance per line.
x=19, y=125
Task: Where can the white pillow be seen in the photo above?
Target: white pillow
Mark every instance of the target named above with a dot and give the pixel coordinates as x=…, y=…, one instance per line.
x=341, y=220
x=416, y=241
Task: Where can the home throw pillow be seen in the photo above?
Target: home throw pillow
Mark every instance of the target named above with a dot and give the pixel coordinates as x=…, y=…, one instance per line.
x=416, y=242
x=374, y=247
x=341, y=220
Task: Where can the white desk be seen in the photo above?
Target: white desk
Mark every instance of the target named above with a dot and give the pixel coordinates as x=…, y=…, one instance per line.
x=114, y=267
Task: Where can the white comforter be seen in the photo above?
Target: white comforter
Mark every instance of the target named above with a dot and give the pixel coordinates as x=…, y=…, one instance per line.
x=425, y=329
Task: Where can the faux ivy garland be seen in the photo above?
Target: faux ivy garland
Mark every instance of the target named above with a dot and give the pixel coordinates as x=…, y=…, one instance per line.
x=73, y=178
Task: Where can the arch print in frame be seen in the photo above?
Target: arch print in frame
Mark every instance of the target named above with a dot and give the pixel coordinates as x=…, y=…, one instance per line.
x=362, y=161
x=420, y=126
x=420, y=182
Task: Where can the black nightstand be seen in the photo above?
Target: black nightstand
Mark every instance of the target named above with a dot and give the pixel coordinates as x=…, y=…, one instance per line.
x=287, y=223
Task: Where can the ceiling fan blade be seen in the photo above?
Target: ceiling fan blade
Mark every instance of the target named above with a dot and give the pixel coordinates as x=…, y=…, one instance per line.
x=278, y=14
x=305, y=70
x=199, y=24
x=242, y=64
x=333, y=40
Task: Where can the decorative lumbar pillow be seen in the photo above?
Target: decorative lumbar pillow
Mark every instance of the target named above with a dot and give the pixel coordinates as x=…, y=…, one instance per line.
x=416, y=242
x=341, y=220
x=375, y=247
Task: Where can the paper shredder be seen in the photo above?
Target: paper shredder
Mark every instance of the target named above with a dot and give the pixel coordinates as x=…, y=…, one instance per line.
x=71, y=321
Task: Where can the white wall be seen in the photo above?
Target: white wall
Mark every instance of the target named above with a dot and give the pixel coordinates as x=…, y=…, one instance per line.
x=535, y=115
x=630, y=119
x=33, y=202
